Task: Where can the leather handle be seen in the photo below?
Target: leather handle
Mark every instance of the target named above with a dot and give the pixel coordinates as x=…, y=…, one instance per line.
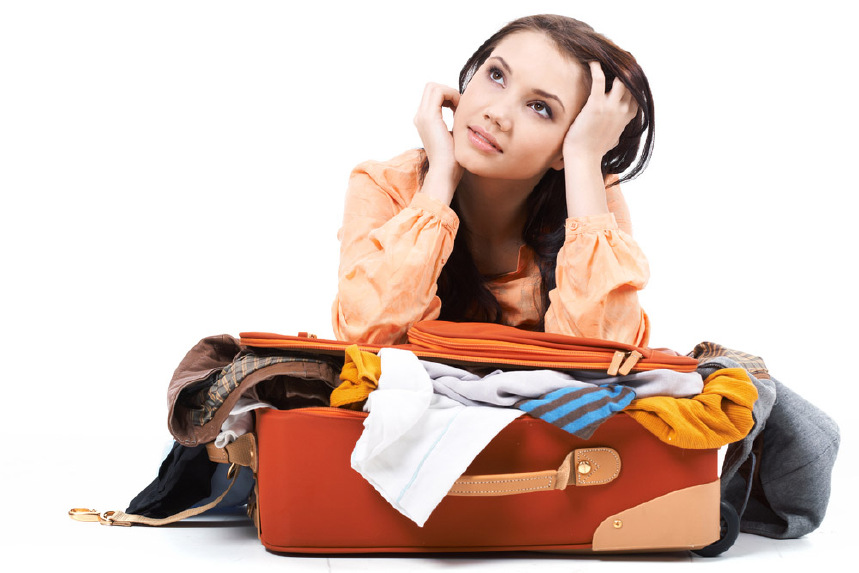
x=581, y=467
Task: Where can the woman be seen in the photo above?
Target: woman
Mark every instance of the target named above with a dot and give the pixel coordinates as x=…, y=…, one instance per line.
x=514, y=216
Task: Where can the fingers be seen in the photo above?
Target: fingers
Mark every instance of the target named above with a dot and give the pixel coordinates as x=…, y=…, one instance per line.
x=435, y=97
x=618, y=95
x=434, y=133
x=623, y=99
x=597, y=79
x=451, y=100
x=601, y=122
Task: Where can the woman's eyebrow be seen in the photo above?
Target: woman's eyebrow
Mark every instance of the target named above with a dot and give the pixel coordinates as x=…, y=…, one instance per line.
x=539, y=92
x=503, y=63
x=547, y=95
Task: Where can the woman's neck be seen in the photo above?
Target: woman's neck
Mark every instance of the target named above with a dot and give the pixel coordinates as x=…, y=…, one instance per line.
x=495, y=213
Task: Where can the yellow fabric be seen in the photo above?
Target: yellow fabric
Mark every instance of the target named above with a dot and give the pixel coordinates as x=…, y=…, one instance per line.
x=359, y=377
x=394, y=242
x=720, y=415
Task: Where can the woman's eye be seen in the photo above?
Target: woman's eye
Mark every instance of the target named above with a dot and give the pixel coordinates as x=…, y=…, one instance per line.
x=496, y=76
x=541, y=108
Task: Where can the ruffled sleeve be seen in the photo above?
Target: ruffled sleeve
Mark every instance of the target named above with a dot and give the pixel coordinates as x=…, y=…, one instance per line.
x=599, y=271
x=393, y=244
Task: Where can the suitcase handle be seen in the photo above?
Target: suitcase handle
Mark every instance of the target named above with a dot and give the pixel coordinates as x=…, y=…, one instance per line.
x=581, y=467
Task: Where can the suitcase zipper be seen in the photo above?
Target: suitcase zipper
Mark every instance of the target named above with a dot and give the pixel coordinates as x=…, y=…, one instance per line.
x=621, y=362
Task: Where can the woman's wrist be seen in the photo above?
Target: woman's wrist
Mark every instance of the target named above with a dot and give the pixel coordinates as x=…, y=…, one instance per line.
x=585, y=186
x=581, y=156
x=441, y=183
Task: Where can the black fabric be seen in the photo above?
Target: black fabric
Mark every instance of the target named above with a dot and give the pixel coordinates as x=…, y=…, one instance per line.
x=185, y=478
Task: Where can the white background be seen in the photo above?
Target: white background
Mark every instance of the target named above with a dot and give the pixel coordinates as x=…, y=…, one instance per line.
x=171, y=170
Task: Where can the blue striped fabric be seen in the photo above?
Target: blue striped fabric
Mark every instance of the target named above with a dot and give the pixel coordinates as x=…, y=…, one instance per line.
x=579, y=411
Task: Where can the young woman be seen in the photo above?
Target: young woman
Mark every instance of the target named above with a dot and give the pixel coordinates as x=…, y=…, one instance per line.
x=515, y=216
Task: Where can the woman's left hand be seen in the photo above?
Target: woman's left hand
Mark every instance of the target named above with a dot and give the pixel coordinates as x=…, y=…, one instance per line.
x=597, y=128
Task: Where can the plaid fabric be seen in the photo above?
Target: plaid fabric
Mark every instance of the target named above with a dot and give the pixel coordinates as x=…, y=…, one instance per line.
x=206, y=402
x=753, y=364
x=579, y=411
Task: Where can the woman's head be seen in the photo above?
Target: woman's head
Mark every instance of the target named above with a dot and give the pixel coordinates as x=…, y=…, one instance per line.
x=512, y=118
x=580, y=43
x=462, y=289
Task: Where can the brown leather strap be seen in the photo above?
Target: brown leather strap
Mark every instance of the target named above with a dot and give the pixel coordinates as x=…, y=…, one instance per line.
x=126, y=519
x=582, y=467
x=242, y=452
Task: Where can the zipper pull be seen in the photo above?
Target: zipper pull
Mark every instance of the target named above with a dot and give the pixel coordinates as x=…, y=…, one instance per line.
x=631, y=361
x=616, y=362
x=623, y=363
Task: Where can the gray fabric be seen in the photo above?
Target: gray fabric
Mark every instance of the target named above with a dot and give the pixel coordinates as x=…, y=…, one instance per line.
x=800, y=444
x=779, y=477
x=508, y=388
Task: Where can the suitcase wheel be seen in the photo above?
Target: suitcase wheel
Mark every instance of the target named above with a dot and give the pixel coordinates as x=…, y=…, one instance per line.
x=730, y=524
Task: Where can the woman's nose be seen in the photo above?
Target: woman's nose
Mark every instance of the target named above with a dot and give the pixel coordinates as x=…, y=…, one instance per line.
x=498, y=115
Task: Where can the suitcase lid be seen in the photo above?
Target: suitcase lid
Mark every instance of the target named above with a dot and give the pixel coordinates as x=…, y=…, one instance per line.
x=496, y=344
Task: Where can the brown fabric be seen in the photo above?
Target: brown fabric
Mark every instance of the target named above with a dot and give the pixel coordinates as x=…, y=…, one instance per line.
x=214, y=353
x=282, y=392
x=210, y=354
x=705, y=351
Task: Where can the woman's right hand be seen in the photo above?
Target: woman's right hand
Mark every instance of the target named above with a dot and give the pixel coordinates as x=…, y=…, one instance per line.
x=444, y=172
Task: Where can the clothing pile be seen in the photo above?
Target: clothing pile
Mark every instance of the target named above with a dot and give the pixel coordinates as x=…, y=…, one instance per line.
x=428, y=421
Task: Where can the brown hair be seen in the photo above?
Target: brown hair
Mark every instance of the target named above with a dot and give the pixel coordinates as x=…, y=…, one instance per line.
x=461, y=288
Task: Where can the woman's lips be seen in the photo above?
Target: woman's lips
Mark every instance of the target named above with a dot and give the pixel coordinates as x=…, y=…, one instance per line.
x=483, y=141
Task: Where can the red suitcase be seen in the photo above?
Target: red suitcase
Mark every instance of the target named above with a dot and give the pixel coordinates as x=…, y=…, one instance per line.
x=643, y=495
x=628, y=491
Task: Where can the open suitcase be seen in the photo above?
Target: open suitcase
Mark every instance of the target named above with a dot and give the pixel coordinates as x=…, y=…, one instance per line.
x=535, y=487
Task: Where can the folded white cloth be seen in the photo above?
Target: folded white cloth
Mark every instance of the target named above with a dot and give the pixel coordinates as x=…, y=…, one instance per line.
x=415, y=443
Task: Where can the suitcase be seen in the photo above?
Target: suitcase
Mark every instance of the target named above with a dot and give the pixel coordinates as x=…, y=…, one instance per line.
x=625, y=490
x=621, y=490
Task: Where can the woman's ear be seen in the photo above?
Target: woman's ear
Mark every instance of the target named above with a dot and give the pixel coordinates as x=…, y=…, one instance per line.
x=558, y=163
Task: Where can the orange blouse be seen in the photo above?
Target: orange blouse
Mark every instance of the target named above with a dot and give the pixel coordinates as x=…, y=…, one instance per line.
x=394, y=242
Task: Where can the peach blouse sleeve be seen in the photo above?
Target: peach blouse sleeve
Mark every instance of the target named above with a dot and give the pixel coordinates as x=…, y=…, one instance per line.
x=599, y=271
x=393, y=244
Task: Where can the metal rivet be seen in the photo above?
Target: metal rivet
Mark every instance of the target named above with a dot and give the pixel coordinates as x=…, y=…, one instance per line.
x=617, y=524
x=584, y=468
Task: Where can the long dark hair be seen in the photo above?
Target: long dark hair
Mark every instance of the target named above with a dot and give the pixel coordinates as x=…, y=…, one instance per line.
x=461, y=288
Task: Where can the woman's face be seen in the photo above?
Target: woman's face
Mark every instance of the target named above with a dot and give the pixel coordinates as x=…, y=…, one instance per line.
x=512, y=118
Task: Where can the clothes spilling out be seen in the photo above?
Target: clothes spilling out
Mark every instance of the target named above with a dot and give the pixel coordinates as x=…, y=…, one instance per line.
x=427, y=421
